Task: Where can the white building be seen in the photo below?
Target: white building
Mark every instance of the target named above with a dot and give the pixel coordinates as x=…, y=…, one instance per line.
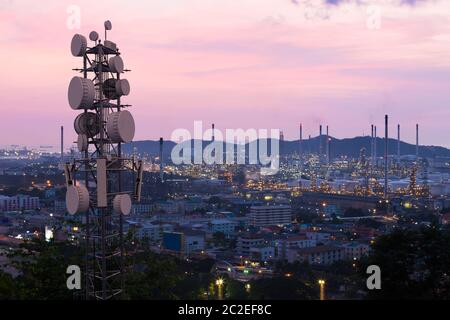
x=324, y=255
x=295, y=242
x=262, y=216
x=262, y=253
x=194, y=241
x=153, y=232
x=222, y=225
x=319, y=237
x=18, y=202
x=246, y=242
x=139, y=208
x=355, y=250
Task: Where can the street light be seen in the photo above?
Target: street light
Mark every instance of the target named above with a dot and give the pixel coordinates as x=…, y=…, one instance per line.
x=219, y=284
x=322, y=289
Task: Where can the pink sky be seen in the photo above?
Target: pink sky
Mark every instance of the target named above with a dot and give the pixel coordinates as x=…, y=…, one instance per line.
x=240, y=64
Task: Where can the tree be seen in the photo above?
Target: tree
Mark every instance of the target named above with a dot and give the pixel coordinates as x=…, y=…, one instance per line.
x=153, y=277
x=8, y=289
x=235, y=290
x=415, y=264
x=43, y=268
x=281, y=288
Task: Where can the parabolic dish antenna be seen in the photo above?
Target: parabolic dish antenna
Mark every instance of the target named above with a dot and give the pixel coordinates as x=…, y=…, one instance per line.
x=122, y=87
x=109, y=88
x=120, y=126
x=87, y=123
x=116, y=64
x=81, y=93
x=78, y=45
x=93, y=36
x=122, y=204
x=82, y=142
x=77, y=199
x=108, y=25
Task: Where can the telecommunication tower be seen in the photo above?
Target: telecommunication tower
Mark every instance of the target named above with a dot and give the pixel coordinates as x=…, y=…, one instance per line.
x=95, y=186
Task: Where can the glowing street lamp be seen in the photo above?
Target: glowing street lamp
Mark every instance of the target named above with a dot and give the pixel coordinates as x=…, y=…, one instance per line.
x=322, y=289
x=219, y=284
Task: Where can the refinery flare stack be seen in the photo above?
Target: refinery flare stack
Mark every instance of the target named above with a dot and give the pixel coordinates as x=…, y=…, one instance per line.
x=95, y=186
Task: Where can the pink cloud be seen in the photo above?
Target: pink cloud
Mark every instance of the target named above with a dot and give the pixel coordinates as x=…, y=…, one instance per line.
x=246, y=64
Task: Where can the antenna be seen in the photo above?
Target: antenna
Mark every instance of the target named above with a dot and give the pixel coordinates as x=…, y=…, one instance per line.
x=94, y=181
x=108, y=26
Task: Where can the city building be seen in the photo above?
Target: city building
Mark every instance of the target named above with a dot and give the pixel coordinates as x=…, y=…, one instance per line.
x=293, y=242
x=324, y=255
x=185, y=242
x=262, y=253
x=18, y=202
x=153, y=232
x=261, y=216
x=246, y=242
x=222, y=225
x=355, y=250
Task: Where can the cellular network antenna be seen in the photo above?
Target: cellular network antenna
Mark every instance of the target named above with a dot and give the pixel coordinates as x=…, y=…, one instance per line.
x=95, y=185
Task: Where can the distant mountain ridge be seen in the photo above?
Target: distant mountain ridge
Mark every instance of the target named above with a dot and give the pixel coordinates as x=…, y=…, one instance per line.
x=350, y=147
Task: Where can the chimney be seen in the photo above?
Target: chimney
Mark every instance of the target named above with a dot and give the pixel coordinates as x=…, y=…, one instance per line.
x=320, y=141
x=300, y=146
x=398, y=143
x=371, y=145
x=62, y=144
x=375, y=145
x=161, y=163
x=327, y=147
x=417, y=141
x=386, y=135
x=213, y=132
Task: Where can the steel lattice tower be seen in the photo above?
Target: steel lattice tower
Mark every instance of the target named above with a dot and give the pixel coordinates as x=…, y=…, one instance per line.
x=95, y=186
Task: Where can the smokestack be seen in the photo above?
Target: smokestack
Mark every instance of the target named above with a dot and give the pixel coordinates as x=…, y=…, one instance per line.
x=371, y=145
x=327, y=149
x=320, y=141
x=417, y=141
x=300, y=146
x=375, y=145
x=161, y=163
x=213, y=132
x=398, y=143
x=62, y=144
x=386, y=134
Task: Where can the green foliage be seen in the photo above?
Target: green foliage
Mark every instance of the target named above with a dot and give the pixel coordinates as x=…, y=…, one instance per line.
x=154, y=277
x=7, y=287
x=235, y=290
x=281, y=288
x=43, y=270
x=414, y=264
